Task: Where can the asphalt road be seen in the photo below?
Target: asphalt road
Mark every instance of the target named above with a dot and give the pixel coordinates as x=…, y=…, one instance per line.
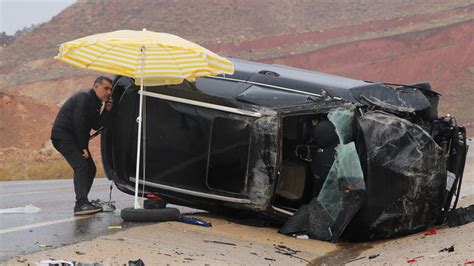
x=55, y=225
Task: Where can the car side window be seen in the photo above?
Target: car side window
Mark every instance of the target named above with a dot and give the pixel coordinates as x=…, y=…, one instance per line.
x=229, y=151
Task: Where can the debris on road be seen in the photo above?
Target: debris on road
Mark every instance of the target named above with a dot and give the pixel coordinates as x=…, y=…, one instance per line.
x=431, y=232
x=284, y=250
x=373, y=256
x=415, y=259
x=448, y=249
x=302, y=236
x=49, y=262
x=107, y=206
x=44, y=246
x=193, y=220
x=461, y=216
x=114, y=227
x=138, y=262
x=27, y=209
x=220, y=242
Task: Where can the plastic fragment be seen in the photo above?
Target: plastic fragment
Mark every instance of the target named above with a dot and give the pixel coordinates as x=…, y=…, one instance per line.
x=27, y=209
x=414, y=259
x=44, y=246
x=302, y=237
x=195, y=221
x=469, y=262
x=431, y=232
x=115, y=227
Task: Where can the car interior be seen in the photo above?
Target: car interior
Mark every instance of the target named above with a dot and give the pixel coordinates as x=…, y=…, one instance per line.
x=308, y=152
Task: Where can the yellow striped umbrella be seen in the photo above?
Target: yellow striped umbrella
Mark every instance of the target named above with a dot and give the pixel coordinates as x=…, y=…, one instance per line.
x=160, y=58
x=151, y=58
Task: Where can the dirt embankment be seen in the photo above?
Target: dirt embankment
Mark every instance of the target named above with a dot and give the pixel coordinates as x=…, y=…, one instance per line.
x=25, y=149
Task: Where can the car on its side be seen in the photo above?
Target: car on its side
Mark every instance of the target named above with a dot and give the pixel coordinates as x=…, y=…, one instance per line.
x=331, y=155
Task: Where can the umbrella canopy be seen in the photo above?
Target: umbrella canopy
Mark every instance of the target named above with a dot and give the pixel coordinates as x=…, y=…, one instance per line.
x=151, y=58
x=160, y=58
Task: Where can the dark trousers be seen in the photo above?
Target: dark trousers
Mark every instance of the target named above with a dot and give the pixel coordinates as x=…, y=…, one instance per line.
x=84, y=169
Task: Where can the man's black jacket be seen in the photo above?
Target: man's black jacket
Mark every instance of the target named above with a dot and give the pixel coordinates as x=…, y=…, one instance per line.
x=79, y=114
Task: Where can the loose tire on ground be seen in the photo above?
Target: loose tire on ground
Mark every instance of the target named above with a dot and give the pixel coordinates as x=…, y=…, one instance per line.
x=150, y=215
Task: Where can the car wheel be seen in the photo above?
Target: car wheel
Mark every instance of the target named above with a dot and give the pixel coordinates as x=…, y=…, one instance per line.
x=150, y=215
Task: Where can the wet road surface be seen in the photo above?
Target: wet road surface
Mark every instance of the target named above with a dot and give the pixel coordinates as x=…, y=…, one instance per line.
x=55, y=225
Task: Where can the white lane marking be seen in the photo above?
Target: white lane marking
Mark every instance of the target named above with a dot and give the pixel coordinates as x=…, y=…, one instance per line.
x=47, y=191
x=30, y=226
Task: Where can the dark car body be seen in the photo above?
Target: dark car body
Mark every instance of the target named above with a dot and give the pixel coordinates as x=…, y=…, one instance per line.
x=265, y=140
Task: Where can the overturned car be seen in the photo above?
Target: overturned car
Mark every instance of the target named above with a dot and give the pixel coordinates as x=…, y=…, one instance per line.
x=331, y=156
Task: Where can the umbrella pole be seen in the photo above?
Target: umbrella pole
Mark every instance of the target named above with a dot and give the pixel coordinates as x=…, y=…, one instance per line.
x=139, y=137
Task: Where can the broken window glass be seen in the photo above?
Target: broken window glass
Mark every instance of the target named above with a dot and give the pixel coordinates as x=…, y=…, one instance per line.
x=343, y=119
x=342, y=194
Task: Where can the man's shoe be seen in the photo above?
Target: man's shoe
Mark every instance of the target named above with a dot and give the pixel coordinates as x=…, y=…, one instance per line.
x=86, y=208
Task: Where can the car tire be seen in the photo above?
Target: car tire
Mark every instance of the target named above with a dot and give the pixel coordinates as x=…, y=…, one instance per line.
x=150, y=215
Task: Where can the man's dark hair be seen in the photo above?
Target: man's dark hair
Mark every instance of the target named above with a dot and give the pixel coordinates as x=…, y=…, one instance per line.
x=100, y=79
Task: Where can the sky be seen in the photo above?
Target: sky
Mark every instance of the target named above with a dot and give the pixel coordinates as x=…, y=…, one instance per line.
x=17, y=14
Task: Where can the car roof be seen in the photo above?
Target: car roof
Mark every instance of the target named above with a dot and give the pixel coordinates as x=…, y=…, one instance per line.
x=277, y=86
x=292, y=77
x=259, y=83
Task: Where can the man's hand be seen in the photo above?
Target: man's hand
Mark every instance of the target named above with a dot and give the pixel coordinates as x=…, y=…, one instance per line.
x=108, y=105
x=85, y=154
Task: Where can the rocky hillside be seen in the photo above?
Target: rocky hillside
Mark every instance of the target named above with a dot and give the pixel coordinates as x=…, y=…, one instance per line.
x=394, y=41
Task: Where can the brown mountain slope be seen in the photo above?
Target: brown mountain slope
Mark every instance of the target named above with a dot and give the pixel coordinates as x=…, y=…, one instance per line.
x=393, y=41
x=23, y=121
x=208, y=22
x=444, y=56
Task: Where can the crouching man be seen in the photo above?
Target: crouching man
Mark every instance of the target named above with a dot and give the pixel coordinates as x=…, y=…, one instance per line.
x=70, y=136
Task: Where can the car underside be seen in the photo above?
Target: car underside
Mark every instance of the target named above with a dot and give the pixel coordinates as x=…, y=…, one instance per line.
x=329, y=156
